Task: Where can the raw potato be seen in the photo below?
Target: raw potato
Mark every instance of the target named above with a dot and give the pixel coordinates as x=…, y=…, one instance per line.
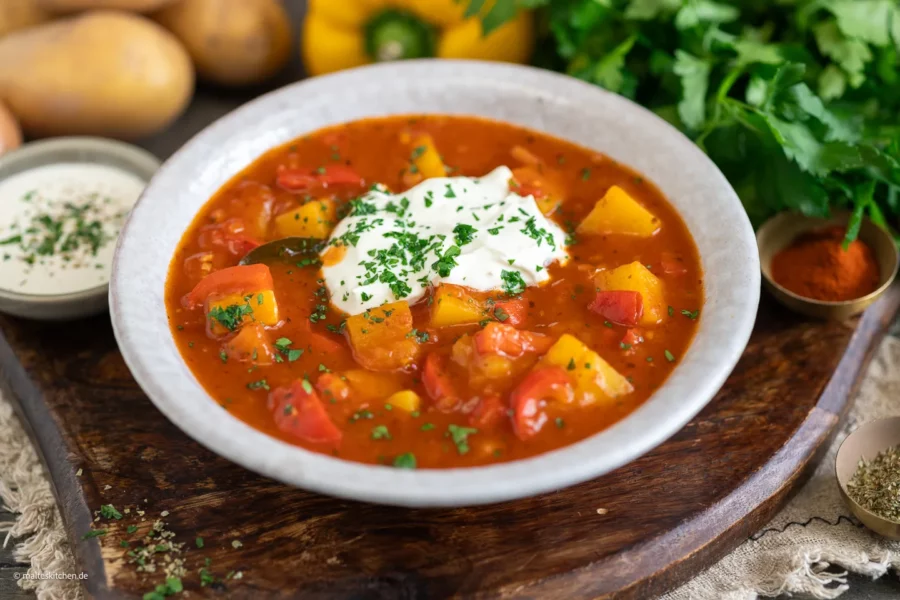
x=232, y=42
x=67, y=6
x=19, y=14
x=10, y=135
x=101, y=73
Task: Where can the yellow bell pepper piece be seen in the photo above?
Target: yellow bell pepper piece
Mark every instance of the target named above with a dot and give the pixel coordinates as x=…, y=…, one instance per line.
x=229, y=312
x=426, y=159
x=314, y=219
x=406, y=400
x=618, y=212
x=635, y=277
x=349, y=33
x=595, y=379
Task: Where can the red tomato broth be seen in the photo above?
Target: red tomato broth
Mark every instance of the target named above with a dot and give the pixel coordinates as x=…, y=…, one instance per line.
x=472, y=147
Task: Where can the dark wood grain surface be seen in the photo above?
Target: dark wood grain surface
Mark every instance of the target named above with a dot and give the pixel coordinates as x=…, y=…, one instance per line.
x=666, y=515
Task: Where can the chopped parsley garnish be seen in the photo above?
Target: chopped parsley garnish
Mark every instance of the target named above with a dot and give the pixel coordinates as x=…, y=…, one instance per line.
x=231, y=316
x=108, y=511
x=445, y=263
x=585, y=174
x=361, y=414
x=93, y=533
x=360, y=207
x=427, y=426
x=539, y=235
x=460, y=437
x=513, y=284
x=199, y=542
x=671, y=311
x=669, y=356
x=380, y=432
x=463, y=234
x=262, y=384
x=501, y=314
x=429, y=199
x=405, y=461
x=495, y=230
x=690, y=315
x=283, y=345
x=417, y=152
x=449, y=193
x=306, y=385
x=559, y=422
x=571, y=365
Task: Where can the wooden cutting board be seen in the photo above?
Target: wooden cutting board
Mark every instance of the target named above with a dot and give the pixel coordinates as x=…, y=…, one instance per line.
x=631, y=534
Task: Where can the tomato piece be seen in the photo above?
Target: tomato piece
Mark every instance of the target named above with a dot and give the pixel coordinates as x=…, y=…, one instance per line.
x=489, y=411
x=300, y=180
x=506, y=340
x=332, y=387
x=619, y=306
x=229, y=235
x=319, y=342
x=437, y=382
x=670, y=264
x=632, y=337
x=239, y=279
x=515, y=311
x=528, y=400
x=299, y=412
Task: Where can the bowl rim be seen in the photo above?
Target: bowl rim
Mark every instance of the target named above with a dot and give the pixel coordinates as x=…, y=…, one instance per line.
x=41, y=153
x=571, y=464
x=836, y=217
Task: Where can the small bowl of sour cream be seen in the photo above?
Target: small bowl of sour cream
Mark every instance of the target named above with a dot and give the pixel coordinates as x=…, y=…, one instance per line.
x=62, y=204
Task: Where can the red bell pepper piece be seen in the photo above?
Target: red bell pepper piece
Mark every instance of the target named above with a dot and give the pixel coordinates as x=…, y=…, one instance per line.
x=515, y=311
x=299, y=412
x=619, y=306
x=530, y=396
x=506, y=340
x=437, y=382
x=239, y=279
x=489, y=411
x=300, y=180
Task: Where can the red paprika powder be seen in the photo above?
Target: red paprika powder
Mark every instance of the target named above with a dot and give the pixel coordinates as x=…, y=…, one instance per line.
x=817, y=266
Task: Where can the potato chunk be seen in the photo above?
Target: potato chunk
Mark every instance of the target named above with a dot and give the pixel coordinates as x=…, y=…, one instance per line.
x=314, y=219
x=229, y=312
x=454, y=306
x=407, y=400
x=635, y=277
x=595, y=379
x=618, y=212
x=381, y=338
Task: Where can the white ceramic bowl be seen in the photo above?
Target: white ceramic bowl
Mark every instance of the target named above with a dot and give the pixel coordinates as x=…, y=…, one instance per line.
x=556, y=104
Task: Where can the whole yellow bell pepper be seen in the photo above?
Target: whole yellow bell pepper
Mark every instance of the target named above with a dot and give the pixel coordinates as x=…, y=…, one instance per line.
x=340, y=34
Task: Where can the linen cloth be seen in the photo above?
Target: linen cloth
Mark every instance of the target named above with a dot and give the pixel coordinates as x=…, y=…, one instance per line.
x=805, y=550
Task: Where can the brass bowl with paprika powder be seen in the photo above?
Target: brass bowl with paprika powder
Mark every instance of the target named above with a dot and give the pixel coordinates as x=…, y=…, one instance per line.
x=806, y=267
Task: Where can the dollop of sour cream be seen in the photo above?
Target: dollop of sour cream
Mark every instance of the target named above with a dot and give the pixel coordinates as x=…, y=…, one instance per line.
x=469, y=231
x=59, y=223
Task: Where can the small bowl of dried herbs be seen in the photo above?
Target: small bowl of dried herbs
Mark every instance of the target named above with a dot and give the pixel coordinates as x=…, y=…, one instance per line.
x=868, y=473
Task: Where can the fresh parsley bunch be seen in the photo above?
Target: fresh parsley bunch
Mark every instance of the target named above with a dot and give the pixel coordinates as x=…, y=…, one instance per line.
x=796, y=101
